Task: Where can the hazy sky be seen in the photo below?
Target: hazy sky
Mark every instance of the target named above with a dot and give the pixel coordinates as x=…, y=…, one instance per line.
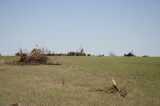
x=99, y=26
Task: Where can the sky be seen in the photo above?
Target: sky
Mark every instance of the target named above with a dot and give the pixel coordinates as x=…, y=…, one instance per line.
x=98, y=26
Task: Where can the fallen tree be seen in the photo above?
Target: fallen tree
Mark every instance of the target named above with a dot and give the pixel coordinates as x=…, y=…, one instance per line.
x=35, y=57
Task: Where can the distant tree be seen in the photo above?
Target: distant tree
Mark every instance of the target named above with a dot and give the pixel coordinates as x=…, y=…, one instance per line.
x=49, y=53
x=17, y=54
x=82, y=51
x=112, y=54
x=130, y=54
x=53, y=53
x=145, y=56
x=88, y=54
x=100, y=55
x=71, y=54
x=77, y=53
x=0, y=54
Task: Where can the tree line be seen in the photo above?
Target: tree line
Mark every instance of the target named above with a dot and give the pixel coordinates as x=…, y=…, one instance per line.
x=72, y=53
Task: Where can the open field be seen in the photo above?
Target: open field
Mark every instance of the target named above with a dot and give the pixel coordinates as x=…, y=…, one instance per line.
x=70, y=84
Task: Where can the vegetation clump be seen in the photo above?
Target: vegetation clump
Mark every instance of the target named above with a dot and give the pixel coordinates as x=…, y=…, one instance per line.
x=145, y=56
x=130, y=54
x=77, y=53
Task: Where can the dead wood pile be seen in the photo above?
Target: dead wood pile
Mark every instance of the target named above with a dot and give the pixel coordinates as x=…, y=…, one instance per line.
x=36, y=56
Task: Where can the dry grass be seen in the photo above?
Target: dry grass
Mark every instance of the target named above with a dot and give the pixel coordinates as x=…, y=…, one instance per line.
x=69, y=84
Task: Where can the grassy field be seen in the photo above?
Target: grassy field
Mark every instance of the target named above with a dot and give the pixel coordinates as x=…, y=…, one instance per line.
x=70, y=84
